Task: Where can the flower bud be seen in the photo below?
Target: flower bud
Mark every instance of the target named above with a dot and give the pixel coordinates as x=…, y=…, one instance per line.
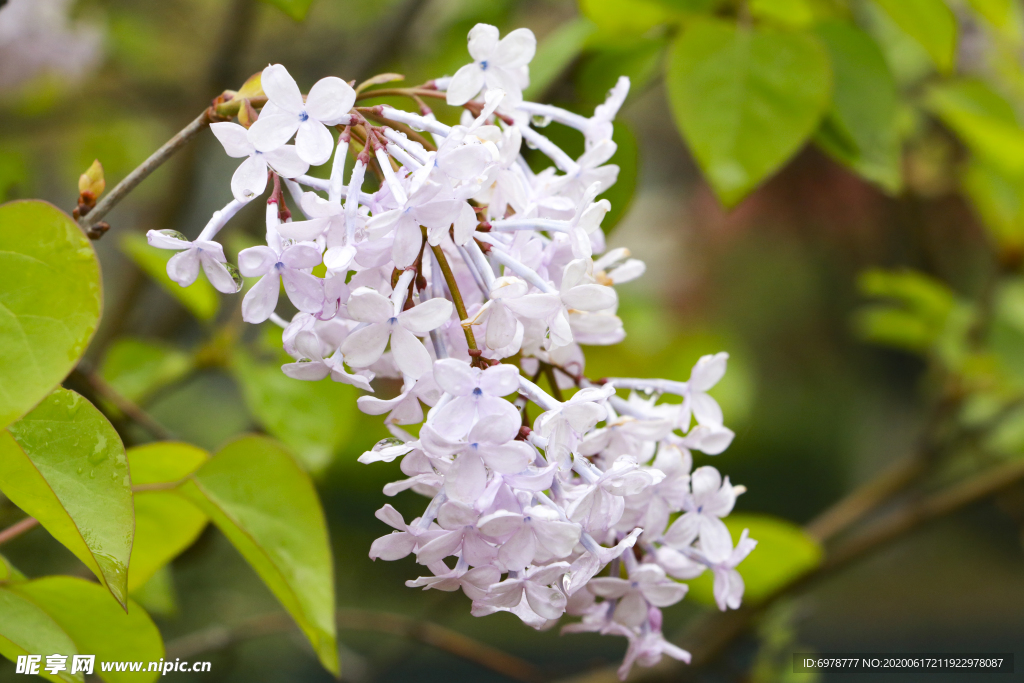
x=92, y=182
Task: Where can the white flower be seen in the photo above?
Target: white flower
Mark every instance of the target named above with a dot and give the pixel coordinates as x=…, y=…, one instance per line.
x=250, y=178
x=498, y=64
x=475, y=393
x=711, y=500
x=535, y=586
x=536, y=529
x=183, y=268
x=365, y=346
x=405, y=540
x=286, y=114
x=304, y=290
x=646, y=585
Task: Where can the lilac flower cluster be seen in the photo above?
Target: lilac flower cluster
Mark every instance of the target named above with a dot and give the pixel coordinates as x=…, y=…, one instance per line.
x=467, y=276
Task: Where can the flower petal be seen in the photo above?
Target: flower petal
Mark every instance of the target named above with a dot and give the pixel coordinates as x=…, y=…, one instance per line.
x=427, y=316
x=261, y=300
x=369, y=306
x=313, y=142
x=516, y=49
x=285, y=160
x=410, y=354
x=305, y=291
x=364, y=347
x=272, y=131
x=281, y=88
x=465, y=85
x=249, y=179
x=234, y=138
x=330, y=99
x=183, y=267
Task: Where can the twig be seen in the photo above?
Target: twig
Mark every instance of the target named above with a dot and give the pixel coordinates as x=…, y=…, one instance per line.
x=18, y=529
x=121, y=190
x=122, y=403
x=434, y=635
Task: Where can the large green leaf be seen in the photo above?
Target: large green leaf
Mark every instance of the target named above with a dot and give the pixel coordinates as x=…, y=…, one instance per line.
x=64, y=464
x=983, y=119
x=1006, y=16
x=8, y=572
x=296, y=9
x=165, y=523
x=96, y=625
x=26, y=629
x=50, y=302
x=998, y=199
x=783, y=553
x=138, y=367
x=266, y=505
x=931, y=23
x=860, y=129
x=313, y=418
x=617, y=20
x=746, y=100
x=200, y=298
x=556, y=52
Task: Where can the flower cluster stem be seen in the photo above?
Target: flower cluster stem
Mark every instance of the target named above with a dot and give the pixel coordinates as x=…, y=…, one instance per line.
x=453, y=287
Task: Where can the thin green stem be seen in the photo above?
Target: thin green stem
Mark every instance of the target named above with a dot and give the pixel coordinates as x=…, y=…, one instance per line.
x=453, y=287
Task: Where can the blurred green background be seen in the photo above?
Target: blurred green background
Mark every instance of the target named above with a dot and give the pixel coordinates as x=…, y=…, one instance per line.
x=773, y=282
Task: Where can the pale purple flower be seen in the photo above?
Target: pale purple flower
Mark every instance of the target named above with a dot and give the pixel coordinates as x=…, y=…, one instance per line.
x=250, y=178
x=497, y=64
x=287, y=114
x=272, y=267
x=536, y=530
x=647, y=585
x=183, y=267
x=365, y=346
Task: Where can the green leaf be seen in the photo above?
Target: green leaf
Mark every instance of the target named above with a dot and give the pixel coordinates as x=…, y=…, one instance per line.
x=165, y=526
x=165, y=523
x=50, y=301
x=983, y=119
x=64, y=464
x=25, y=629
x=929, y=22
x=137, y=367
x=641, y=60
x=998, y=199
x=795, y=13
x=1006, y=16
x=8, y=572
x=783, y=553
x=864, y=107
x=617, y=20
x=200, y=298
x=158, y=595
x=296, y=9
x=745, y=100
x=312, y=418
x=164, y=462
x=556, y=52
x=266, y=505
x=924, y=314
x=96, y=625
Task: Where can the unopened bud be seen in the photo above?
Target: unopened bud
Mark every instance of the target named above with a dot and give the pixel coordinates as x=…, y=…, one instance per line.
x=247, y=114
x=92, y=182
x=252, y=88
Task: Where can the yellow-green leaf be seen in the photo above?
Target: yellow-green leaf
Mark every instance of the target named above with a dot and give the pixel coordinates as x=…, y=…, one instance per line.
x=931, y=23
x=745, y=99
x=200, y=298
x=983, y=119
x=26, y=629
x=165, y=523
x=64, y=464
x=312, y=418
x=864, y=108
x=50, y=301
x=96, y=625
x=8, y=572
x=296, y=9
x=137, y=367
x=266, y=505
